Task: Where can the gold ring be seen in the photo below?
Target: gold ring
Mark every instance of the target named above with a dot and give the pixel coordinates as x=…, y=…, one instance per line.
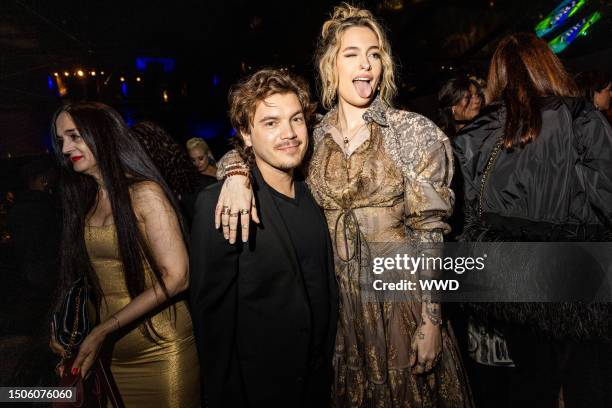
x=245, y=211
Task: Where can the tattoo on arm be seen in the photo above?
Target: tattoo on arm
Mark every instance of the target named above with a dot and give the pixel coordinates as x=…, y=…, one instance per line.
x=433, y=312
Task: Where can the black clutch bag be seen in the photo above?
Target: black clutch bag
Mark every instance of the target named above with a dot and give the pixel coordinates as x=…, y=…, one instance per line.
x=72, y=326
x=71, y=320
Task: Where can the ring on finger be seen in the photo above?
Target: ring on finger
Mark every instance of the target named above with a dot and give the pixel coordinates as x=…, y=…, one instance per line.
x=225, y=211
x=245, y=211
x=225, y=225
x=233, y=215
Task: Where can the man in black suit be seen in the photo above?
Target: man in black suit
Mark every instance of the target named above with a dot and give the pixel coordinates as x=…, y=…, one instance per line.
x=264, y=312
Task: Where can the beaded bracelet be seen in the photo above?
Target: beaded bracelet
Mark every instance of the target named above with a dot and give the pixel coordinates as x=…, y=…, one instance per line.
x=241, y=172
x=235, y=166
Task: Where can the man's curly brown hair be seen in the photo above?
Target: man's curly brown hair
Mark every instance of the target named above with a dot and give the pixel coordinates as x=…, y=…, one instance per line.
x=244, y=97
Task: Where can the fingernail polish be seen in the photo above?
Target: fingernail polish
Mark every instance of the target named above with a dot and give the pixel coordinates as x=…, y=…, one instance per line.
x=74, y=371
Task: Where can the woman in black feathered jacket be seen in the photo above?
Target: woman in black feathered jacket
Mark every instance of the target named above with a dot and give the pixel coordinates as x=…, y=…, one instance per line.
x=549, y=178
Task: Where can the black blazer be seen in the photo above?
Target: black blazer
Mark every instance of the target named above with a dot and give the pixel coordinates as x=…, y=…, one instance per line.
x=250, y=310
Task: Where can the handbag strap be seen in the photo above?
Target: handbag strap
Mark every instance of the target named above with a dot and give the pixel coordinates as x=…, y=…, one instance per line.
x=75, y=326
x=487, y=171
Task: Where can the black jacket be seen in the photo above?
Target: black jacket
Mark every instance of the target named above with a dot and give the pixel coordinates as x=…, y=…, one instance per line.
x=250, y=309
x=556, y=188
x=564, y=177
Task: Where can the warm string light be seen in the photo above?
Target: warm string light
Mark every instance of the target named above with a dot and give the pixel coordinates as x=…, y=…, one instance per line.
x=83, y=73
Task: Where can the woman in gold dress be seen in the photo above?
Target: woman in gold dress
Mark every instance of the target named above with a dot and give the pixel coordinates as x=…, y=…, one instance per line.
x=381, y=175
x=122, y=229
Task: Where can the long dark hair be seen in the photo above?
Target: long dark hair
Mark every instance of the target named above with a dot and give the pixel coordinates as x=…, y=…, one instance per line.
x=590, y=82
x=170, y=158
x=122, y=163
x=451, y=93
x=523, y=70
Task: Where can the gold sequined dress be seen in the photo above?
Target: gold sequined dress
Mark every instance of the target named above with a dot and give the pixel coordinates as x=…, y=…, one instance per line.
x=147, y=374
x=390, y=184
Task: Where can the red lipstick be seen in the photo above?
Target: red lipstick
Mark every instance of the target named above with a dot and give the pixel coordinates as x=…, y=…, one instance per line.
x=76, y=158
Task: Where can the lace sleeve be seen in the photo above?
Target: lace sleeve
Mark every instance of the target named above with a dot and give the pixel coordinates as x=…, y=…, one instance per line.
x=428, y=199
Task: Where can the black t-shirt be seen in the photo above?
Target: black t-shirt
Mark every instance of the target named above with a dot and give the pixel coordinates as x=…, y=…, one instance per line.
x=308, y=231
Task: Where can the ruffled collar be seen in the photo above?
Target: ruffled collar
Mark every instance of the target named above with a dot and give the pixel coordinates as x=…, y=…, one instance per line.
x=376, y=112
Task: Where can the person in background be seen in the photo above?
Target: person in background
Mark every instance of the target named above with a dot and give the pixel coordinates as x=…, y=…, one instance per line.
x=202, y=157
x=537, y=166
x=459, y=102
x=174, y=165
x=596, y=87
x=123, y=231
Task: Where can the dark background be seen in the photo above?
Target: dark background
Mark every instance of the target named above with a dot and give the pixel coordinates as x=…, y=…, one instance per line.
x=212, y=43
x=192, y=52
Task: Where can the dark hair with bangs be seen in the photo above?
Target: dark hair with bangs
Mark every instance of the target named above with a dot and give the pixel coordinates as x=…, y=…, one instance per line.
x=450, y=94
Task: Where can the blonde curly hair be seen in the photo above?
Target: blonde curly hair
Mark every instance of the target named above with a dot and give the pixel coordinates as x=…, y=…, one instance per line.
x=344, y=17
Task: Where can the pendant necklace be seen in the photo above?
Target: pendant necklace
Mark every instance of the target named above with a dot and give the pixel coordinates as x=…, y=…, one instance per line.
x=346, y=139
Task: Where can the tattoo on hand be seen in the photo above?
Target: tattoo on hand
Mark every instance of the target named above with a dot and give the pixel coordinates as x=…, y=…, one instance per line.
x=420, y=335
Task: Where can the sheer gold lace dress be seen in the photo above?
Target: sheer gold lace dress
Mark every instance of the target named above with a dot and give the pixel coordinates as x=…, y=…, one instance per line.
x=390, y=185
x=147, y=374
